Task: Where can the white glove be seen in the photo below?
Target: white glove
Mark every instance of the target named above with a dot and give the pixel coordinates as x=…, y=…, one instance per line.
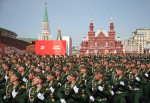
x=137, y=78
x=6, y=77
x=40, y=96
x=100, y=88
x=112, y=93
x=24, y=79
x=14, y=93
x=75, y=89
x=92, y=98
x=130, y=87
x=122, y=83
x=146, y=74
x=52, y=89
x=63, y=101
x=43, y=71
x=4, y=97
x=59, y=84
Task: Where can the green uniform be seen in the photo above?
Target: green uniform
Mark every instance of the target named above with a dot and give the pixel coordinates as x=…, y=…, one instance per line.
x=66, y=92
x=99, y=96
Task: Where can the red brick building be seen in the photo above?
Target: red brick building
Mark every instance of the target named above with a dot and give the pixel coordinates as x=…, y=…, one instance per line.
x=101, y=42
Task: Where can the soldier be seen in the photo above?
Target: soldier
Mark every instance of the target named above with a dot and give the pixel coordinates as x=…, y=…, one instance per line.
x=64, y=74
x=14, y=90
x=31, y=76
x=69, y=91
x=82, y=82
x=51, y=88
x=120, y=85
x=36, y=92
x=135, y=86
x=145, y=84
x=98, y=90
x=47, y=69
x=38, y=69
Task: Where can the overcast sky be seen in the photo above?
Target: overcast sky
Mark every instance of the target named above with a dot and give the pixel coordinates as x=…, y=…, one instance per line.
x=25, y=17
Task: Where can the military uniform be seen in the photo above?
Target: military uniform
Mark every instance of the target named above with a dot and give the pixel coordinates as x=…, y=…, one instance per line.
x=99, y=90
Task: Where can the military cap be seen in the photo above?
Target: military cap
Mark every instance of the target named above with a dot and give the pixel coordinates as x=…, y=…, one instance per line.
x=13, y=70
x=83, y=67
x=70, y=61
x=42, y=61
x=72, y=74
x=128, y=63
x=33, y=72
x=57, y=62
x=136, y=67
x=17, y=74
x=40, y=76
x=52, y=73
x=39, y=67
x=66, y=65
x=34, y=64
x=23, y=65
x=99, y=72
x=75, y=70
x=119, y=67
x=58, y=70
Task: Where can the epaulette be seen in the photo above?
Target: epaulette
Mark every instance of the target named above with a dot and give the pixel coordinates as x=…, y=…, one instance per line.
x=33, y=87
x=23, y=87
x=47, y=89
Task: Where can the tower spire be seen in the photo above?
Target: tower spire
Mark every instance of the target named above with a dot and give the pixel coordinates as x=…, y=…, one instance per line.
x=59, y=34
x=45, y=14
x=91, y=24
x=111, y=19
x=45, y=26
x=111, y=24
x=91, y=19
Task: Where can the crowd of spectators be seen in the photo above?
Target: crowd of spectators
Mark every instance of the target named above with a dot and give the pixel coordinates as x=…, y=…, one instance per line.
x=13, y=50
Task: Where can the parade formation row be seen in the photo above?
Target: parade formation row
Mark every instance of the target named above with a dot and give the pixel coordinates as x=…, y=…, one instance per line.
x=31, y=78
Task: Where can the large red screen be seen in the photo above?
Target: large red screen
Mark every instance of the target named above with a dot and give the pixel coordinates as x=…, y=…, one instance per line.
x=50, y=47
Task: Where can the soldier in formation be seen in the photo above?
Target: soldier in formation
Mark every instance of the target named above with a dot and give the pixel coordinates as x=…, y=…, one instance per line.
x=30, y=78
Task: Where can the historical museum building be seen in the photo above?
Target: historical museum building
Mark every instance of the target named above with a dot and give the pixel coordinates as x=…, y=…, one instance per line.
x=101, y=42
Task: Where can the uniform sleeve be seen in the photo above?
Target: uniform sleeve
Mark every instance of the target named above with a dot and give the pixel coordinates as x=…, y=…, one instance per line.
x=60, y=93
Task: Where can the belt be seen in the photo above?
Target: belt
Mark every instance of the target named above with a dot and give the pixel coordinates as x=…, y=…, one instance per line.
x=101, y=99
x=136, y=89
x=119, y=92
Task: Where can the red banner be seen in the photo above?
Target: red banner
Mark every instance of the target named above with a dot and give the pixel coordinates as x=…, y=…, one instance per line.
x=2, y=48
x=50, y=47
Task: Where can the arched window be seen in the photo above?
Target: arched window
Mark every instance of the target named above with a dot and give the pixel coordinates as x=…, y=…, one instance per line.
x=91, y=45
x=111, y=44
x=101, y=45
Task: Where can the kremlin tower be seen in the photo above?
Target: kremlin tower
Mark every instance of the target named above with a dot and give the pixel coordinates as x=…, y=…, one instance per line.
x=59, y=34
x=45, y=27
